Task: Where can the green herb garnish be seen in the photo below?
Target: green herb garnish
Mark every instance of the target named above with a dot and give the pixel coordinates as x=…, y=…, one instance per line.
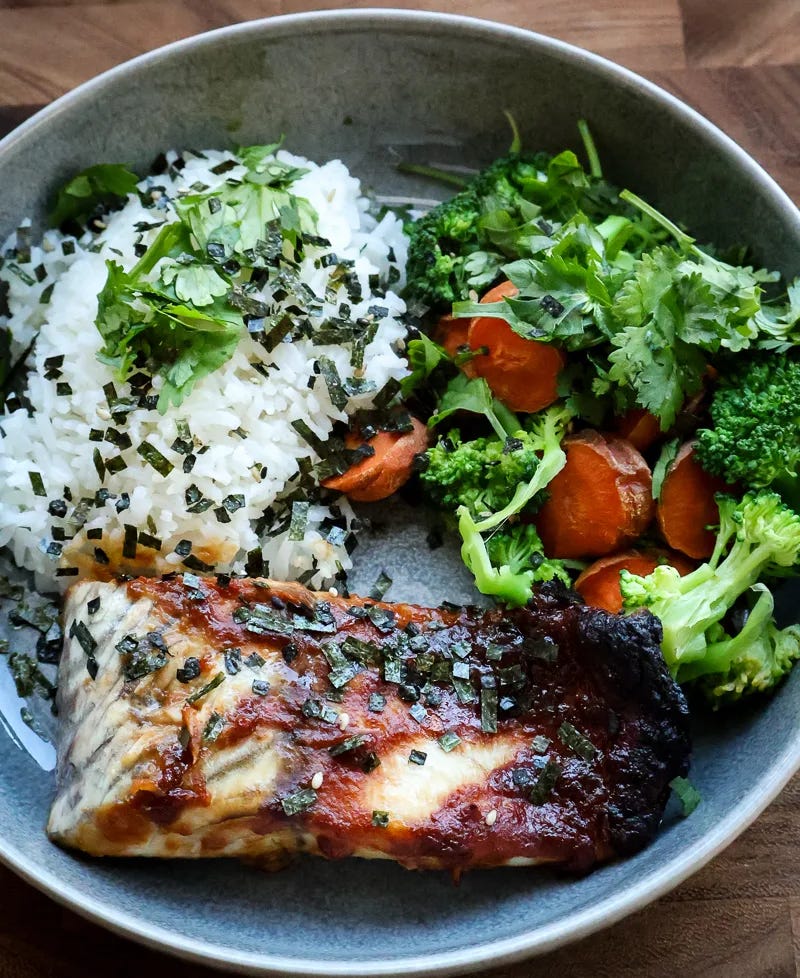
x=545, y=783
x=28, y=677
x=540, y=744
x=381, y=586
x=576, y=741
x=143, y=655
x=213, y=728
x=449, y=741
x=262, y=620
x=198, y=694
x=299, y=801
x=348, y=745
x=489, y=710
x=103, y=186
x=37, y=484
x=687, y=795
x=189, y=671
x=153, y=457
x=299, y=520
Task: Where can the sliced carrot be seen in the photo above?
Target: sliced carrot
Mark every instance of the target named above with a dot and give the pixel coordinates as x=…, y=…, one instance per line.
x=451, y=333
x=640, y=427
x=599, y=583
x=522, y=373
x=687, y=505
x=600, y=501
x=382, y=473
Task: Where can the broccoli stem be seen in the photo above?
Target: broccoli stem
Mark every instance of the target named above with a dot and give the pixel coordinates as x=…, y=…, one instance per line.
x=552, y=463
x=514, y=588
x=719, y=655
x=711, y=592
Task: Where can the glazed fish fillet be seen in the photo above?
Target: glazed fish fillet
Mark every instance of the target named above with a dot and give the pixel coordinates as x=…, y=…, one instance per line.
x=208, y=717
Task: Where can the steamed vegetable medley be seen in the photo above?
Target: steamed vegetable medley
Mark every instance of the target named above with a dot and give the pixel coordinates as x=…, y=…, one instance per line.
x=612, y=406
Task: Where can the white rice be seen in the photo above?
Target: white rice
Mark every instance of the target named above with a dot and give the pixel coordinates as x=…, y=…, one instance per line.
x=55, y=440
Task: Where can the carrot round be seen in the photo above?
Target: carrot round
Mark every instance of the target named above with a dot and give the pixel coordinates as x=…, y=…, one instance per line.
x=599, y=583
x=600, y=501
x=640, y=427
x=687, y=505
x=382, y=473
x=522, y=373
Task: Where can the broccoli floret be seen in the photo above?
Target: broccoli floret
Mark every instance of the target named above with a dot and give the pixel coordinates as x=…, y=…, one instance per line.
x=756, y=412
x=520, y=549
x=758, y=536
x=482, y=474
x=439, y=244
x=754, y=659
x=518, y=188
x=514, y=583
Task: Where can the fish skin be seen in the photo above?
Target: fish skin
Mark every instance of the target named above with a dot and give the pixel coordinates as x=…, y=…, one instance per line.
x=144, y=771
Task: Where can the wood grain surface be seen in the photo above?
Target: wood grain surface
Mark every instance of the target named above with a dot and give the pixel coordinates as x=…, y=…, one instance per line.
x=738, y=62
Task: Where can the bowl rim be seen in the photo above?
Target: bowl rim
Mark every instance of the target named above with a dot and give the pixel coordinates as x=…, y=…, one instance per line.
x=543, y=938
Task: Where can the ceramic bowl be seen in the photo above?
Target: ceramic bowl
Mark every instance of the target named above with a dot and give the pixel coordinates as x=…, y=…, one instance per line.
x=374, y=88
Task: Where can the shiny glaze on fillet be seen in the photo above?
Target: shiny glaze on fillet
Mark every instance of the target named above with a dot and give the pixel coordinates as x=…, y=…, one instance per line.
x=601, y=673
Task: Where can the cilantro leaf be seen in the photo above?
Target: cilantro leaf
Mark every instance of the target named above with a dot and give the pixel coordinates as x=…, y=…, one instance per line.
x=183, y=306
x=668, y=455
x=661, y=369
x=233, y=217
x=674, y=310
x=105, y=183
x=424, y=356
x=779, y=327
x=141, y=317
x=193, y=282
x=474, y=395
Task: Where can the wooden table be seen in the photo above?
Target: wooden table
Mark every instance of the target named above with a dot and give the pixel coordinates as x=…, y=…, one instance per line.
x=738, y=62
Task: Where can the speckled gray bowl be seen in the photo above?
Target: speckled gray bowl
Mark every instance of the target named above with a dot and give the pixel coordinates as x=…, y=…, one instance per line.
x=374, y=87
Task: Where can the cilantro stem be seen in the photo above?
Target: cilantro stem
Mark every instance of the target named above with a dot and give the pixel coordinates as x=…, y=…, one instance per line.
x=433, y=172
x=499, y=428
x=683, y=239
x=595, y=167
x=508, y=421
x=516, y=139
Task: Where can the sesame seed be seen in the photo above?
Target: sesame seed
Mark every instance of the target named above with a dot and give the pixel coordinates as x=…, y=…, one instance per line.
x=491, y=818
x=316, y=781
x=333, y=592
x=344, y=719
